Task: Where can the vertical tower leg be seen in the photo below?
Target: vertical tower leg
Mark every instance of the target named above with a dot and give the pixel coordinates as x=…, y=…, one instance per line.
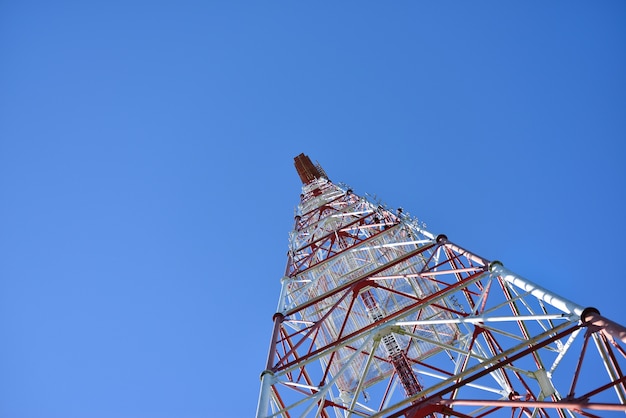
x=262, y=409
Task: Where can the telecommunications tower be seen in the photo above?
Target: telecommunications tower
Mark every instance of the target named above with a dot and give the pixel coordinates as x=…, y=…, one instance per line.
x=377, y=317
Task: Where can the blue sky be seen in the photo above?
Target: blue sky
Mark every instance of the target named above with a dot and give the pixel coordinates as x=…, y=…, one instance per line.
x=147, y=185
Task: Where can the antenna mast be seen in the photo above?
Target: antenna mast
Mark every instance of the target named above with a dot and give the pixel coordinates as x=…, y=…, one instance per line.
x=377, y=317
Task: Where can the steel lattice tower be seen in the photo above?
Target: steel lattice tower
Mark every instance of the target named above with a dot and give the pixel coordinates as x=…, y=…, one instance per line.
x=379, y=317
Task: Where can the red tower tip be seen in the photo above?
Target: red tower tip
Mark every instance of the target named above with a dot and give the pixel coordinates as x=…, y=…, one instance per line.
x=307, y=170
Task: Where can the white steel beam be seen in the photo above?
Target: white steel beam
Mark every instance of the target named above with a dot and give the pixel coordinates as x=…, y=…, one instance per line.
x=267, y=379
x=482, y=319
x=537, y=291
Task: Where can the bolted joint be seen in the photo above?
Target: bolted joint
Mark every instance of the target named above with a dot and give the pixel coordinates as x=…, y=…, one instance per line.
x=586, y=314
x=493, y=265
x=387, y=329
x=278, y=317
x=266, y=372
x=396, y=329
x=441, y=238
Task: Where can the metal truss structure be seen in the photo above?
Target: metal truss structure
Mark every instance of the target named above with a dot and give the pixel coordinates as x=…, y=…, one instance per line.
x=377, y=317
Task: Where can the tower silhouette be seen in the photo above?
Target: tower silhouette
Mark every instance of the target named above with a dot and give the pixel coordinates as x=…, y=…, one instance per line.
x=379, y=317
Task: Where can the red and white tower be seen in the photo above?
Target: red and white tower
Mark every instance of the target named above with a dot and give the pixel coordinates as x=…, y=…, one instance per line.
x=377, y=317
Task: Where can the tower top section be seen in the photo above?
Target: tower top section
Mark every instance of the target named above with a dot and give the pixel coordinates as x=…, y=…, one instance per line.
x=308, y=171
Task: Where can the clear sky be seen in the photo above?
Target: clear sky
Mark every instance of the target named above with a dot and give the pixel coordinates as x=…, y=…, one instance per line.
x=147, y=185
